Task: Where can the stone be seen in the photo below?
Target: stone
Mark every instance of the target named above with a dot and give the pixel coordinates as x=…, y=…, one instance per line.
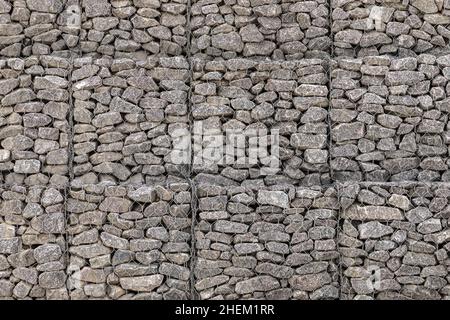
x=349, y=36
x=310, y=282
x=418, y=214
x=396, y=78
x=429, y=226
x=33, y=120
x=113, y=241
x=230, y=227
x=52, y=279
x=51, y=196
x=90, y=275
x=251, y=33
x=50, y=6
x=210, y=282
x=143, y=194
x=399, y=201
x=228, y=41
x=425, y=6
x=8, y=85
x=259, y=283
x=105, y=23
x=49, y=223
x=437, y=19
x=94, y=8
x=115, y=204
x=347, y=131
x=10, y=246
x=7, y=231
x=6, y=288
x=27, y=274
x=419, y=259
x=373, y=230
x=308, y=141
x=47, y=253
x=174, y=271
x=18, y=96
x=441, y=237
x=275, y=198
x=89, y=251
x=142, y=284
x=364, y=213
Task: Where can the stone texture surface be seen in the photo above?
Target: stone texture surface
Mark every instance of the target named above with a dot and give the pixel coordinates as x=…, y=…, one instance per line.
x=390, y=118
x=248, y=249
x=279, y=29
x=402, y=254
x=396, y=27
x=97, y=102
x=133, y=29
x=129, y=243
x=246, y=97
x=33, y=246
x=34, y=121
x=127, y=117
x=38, y=27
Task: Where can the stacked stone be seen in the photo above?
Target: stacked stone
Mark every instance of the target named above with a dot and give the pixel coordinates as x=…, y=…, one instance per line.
x=129, y=242
x=38, y=27
x=389, y=118
x=397, y=27
x=128, y=119
x=250, y=97
x=395, y=241
x=277, y=243
x=32, y=243
x=133, y=29
x=34, y=127
x=280, y=29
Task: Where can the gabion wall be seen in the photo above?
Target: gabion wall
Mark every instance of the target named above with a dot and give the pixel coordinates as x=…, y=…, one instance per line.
x=100, y=198
x=266, y=244
x=131, y=29
x=34, y=129
x=397, y=27
x=129, y=242
x=279, y=29
x=398, y=233
x=246, y=96
x=38, y=27
x=33, y=247
x=389, y=118
x=126, y=116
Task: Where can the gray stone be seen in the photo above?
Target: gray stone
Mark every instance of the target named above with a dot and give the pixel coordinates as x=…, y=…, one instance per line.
x=47, y=253
x=18, y=96
x=52, y=280
x=230, y=227
x=310, y=282
x=50, y=6
x=373, y=230
x=142, y=284
x=10, y=246
x=364, y=213
x=276, y=198
x=259, y=283
x=115, y=204
x=228, y=41
x=419, y=259
x=347, y=131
